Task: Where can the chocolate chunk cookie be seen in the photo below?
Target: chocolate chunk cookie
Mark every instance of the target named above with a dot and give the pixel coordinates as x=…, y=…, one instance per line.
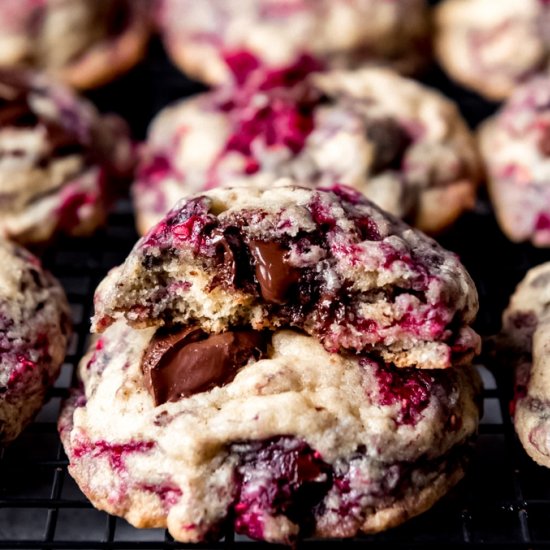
x=61, y=163
x=403, y=145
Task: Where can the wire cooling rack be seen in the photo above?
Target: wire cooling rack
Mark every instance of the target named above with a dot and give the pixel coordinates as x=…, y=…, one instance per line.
x=504, y=502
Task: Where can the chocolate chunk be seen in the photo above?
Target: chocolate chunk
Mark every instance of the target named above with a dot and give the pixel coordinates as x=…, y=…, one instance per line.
x=227, y=245
x=190, y=361
x=390, y=142
x=273, y=273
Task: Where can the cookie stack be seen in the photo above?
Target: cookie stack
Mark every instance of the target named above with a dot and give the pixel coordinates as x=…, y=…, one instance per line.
x=288, y=361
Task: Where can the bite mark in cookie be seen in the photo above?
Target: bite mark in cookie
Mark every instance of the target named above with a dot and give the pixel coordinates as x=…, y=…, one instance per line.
x=325, y=262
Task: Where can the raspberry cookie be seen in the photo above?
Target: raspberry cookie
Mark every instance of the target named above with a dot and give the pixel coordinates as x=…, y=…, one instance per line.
x=220, y=41
x=493, y=46
x=60, y=161
x=515, y=145
x=34, y=330
x=525, y=341
x=329, y=263
x=263, y=431
x=403, y=145
x=85, y=43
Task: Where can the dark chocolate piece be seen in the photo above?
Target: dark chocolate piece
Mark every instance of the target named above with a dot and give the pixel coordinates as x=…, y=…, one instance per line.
x=390, y=142
x=273, y=272
x=190, y=361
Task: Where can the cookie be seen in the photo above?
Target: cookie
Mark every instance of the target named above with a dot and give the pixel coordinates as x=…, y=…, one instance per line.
x=219, y=41
x=524, y=343
x=84, y=43
x=403, y=145
x=328, y=262
x=61, y=163
x=515, y=146
x=34, y=331
x=493, y=49
x=265, y=432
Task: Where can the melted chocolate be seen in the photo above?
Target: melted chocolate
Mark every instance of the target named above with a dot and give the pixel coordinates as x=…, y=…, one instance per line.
x=190, y=361
x=273, y=273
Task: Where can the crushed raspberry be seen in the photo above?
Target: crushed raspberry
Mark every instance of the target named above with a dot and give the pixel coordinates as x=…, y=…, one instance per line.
x=115, y=453
x=24, y=366
x=411, y=389
x=290, y=76
x=280, y=123
x=345, y=192
x=156, y=169
x=70, y=214
x=241, y=64
x=321, y=214
x=186, y=225
x=543, y=222
x=428, y=323
x=282, y=476
x=168, y=493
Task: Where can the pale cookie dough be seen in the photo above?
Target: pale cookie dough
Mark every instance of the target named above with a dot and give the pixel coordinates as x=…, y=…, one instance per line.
x=327, y=262
x=493, y=45
x=402, y=144
x=220, y=41
x=299, y=442
x=515, y=146
x=34, y=332
x=85, y=43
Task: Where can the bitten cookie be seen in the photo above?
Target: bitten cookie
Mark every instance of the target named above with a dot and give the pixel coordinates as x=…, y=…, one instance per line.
x=515, y=145
x=493, y=46
x=219, y=41
x=403, y=145
x=85, y=43
x=34, y=331
x=525, y=342
x=60, y=162
x=265, y=432
x=329, y=263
